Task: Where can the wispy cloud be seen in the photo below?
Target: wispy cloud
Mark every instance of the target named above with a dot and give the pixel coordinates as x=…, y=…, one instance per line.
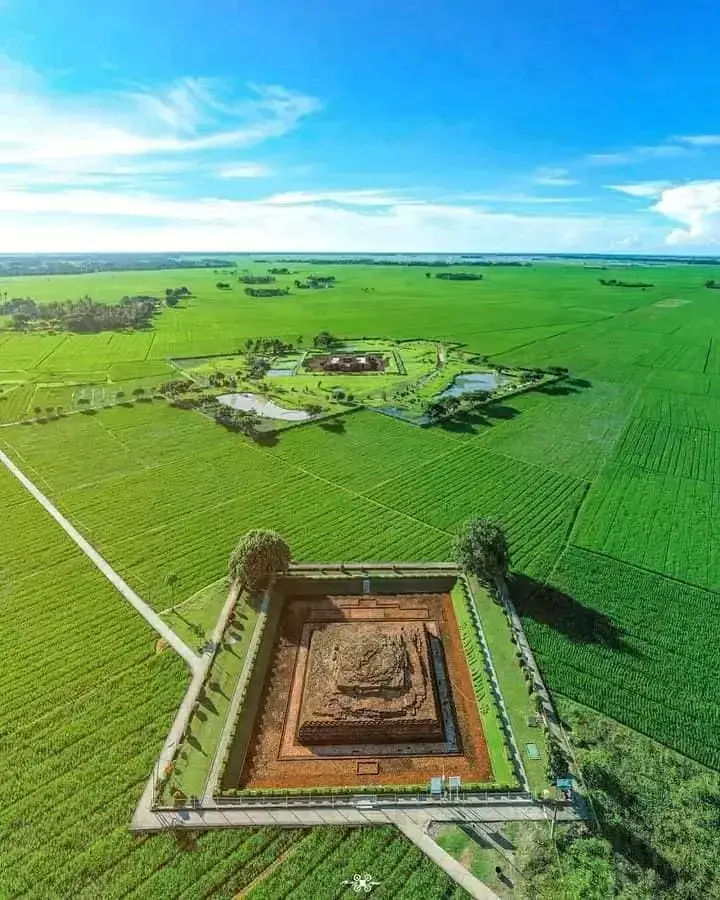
x=245, y=170
x=640, y=188
x=554, y=177
x=96, y=220
x=344, y=198
x=519, y=198
x=55, y=135
x=701, y=140
x=637, y=154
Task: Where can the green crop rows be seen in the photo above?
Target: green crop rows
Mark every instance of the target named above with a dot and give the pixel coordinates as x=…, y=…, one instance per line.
x=607, y=483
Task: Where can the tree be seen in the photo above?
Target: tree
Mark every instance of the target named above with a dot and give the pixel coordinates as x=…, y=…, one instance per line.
x=171, y=580
x=482, y=548
x=325, y=341
x=259, y=555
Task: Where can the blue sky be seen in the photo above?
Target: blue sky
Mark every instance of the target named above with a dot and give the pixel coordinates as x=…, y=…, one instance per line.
x=413, y=126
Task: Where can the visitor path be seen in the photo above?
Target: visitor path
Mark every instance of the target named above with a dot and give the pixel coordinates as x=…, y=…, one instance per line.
x=230, y=719
x=146, y=611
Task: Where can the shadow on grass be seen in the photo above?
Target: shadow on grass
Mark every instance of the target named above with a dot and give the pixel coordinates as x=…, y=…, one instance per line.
x=627, y=842
x=549, y=606
x=333, y=426
x=266, y=438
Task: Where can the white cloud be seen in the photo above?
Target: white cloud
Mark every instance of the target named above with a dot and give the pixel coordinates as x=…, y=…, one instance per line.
x=554, y=177
x=636, y=154
x=697, y=207
x=344, y=198
x=245, y=170
x=701, y=140
x=92, y=220
x=86, y=135
x=520, y=198
x=641, y=188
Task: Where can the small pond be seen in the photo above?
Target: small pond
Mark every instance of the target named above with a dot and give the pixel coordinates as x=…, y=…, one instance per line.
x=263, y=407
x=475, y=381
x=280, y=372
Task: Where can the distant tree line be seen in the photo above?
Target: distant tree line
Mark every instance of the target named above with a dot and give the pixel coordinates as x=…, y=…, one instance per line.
x=59, y=264
x=318, y=282
x=457, y=276
x=614, y=282
x=279, y=271
x=83, y=316
x=410, y=263
x=266, y=292
x=257, y=279
x=269, y=345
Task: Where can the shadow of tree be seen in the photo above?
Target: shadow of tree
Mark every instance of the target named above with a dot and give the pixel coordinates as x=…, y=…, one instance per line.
x=334, y=426
x=556, y=390
x=265, y=438
x=195, y=743
x=626, y=842
x=549, y=606
x=207, y=703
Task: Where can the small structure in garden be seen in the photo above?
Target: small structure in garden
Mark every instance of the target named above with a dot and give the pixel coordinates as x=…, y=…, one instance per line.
x=348, y=363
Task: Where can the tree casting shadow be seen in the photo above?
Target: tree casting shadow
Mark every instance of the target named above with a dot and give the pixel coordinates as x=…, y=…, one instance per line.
x=549, y=606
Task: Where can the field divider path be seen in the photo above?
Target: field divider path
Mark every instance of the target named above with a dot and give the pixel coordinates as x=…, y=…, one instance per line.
x=412, y=829
x=140, y=606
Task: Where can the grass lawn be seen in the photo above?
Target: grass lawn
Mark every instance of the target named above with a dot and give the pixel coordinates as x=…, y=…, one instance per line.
x=195, y=757
x=503, y=770
x=194, y=619
x=520, y=704
x=479, y=859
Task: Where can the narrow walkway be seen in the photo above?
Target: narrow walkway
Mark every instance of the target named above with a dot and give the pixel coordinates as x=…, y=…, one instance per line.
x=412, y=830
x=229, y=724
x=140, y=606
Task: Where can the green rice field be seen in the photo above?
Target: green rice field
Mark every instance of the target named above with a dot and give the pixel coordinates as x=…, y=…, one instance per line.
x=607, y=482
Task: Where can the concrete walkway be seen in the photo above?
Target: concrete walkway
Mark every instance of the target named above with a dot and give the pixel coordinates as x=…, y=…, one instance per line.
x=140, y=606
x=456, y=870
x=305, y=815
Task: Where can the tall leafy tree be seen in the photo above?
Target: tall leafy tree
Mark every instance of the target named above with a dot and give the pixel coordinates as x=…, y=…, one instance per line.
x=482, y=548
x=259, y=555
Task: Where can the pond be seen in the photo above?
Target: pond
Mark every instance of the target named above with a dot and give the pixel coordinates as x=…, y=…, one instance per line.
x=280, y=372
x=475, y=381
x=263, y=407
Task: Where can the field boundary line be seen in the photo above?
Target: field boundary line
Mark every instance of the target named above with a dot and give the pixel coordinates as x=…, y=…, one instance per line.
x=645, y=569
x=140, y=606
x=282, y=461
x=243, y=892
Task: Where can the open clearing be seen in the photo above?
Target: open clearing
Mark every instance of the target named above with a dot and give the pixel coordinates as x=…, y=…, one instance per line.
x=607, y=484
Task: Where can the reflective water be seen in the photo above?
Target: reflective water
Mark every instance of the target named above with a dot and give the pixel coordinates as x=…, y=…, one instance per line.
x=263, y=407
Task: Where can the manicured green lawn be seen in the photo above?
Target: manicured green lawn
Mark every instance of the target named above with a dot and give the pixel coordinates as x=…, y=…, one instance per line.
x=520, y=704
x=194, y=618
x=195, y=757
x=502, y=767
